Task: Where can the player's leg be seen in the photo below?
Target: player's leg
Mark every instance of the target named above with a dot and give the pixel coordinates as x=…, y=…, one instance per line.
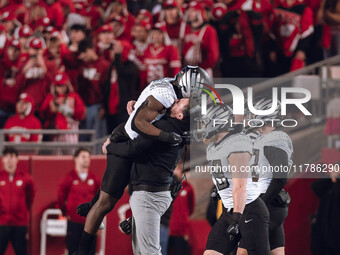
x=278, y=251
x=254, y=225
x=115, y=179
x=103, y=206
x=276, y=230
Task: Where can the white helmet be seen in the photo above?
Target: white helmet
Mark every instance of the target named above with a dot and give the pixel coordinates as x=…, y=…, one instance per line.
x=191, y=80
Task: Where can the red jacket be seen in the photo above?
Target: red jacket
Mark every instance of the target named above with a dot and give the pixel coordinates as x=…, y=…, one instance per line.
x=182, y=208
x=29, y=122
x=73, y=191
x=16, y=198
x=203, y=52
x=58, y=120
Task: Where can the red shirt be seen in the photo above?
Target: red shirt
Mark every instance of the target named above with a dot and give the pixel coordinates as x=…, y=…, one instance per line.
x=16, y=198
x=29, y=122
x=10, y=89
x=92, y=79
x=162, y=61
x=73, y=192
x=73, y=100
x=182, y=208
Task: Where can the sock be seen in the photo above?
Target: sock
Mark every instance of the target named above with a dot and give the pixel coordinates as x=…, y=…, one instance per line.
x=86, y=243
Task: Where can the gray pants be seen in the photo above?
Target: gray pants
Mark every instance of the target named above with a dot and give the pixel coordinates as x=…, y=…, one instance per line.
x=147, y=209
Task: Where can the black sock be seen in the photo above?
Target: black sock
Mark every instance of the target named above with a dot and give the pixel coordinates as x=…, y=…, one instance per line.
x=86, y=243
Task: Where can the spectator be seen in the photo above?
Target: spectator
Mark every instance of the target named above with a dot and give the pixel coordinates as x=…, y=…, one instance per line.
x=9, y=88
x=175, y=25
x=93, y=74
x=40, y=25
x=105, y=41
x=119, y=8
x=55, y=50
x=4, y=39
x=25, y=32
x=182, y=208
x=241, y=36
x=16, y=198
x=63, y=109
x=55, y=13
x=22, y=120
x=119, y=28
x=140, y=31
x=200, y=45
x=144, y=15
x=34, y=12
x=120, y=86
x=161, y=58
x=10, y=22
x=329, y=14
x=77, y=187
x=292, y=38
x=36, y=74
x=325, y=229
x=77, y=34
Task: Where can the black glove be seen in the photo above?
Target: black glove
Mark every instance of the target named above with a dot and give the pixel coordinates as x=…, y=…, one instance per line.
x=234, y=228
x=186, y=137
x=214, y=195
x=172, y=138
x=175, y=187
x=126, y=225
x=83, y=209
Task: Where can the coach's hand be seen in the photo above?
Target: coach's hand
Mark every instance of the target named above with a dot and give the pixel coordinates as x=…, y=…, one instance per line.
x=83, y=209
x=107, y=142
x=172, y=138
x=234, y=228
x=130, y=106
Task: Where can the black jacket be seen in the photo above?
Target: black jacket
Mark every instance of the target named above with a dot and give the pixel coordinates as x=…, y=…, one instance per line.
x=154, y=161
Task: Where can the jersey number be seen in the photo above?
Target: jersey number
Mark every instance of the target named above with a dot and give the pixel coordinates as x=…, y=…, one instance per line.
x=254, y=174
x=219, y=176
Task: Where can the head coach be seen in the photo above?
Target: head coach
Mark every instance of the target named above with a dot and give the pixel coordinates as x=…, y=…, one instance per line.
x=151, y=174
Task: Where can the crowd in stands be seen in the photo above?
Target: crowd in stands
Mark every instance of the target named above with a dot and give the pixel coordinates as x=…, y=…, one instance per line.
x=72, y=64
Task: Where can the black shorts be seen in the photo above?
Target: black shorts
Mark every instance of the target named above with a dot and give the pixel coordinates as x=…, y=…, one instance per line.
x=117, y=173
x=277, y=217
x=253, y=227
x=219, y=239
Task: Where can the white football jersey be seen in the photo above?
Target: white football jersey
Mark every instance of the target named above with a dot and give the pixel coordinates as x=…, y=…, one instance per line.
x=163, y=91
x=278, y=139
x=217, y=155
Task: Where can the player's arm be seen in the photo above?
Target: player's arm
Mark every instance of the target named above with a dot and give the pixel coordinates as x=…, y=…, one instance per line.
x=276, y=158
x=237, y=160
x=145, y=114
x=130, y=148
